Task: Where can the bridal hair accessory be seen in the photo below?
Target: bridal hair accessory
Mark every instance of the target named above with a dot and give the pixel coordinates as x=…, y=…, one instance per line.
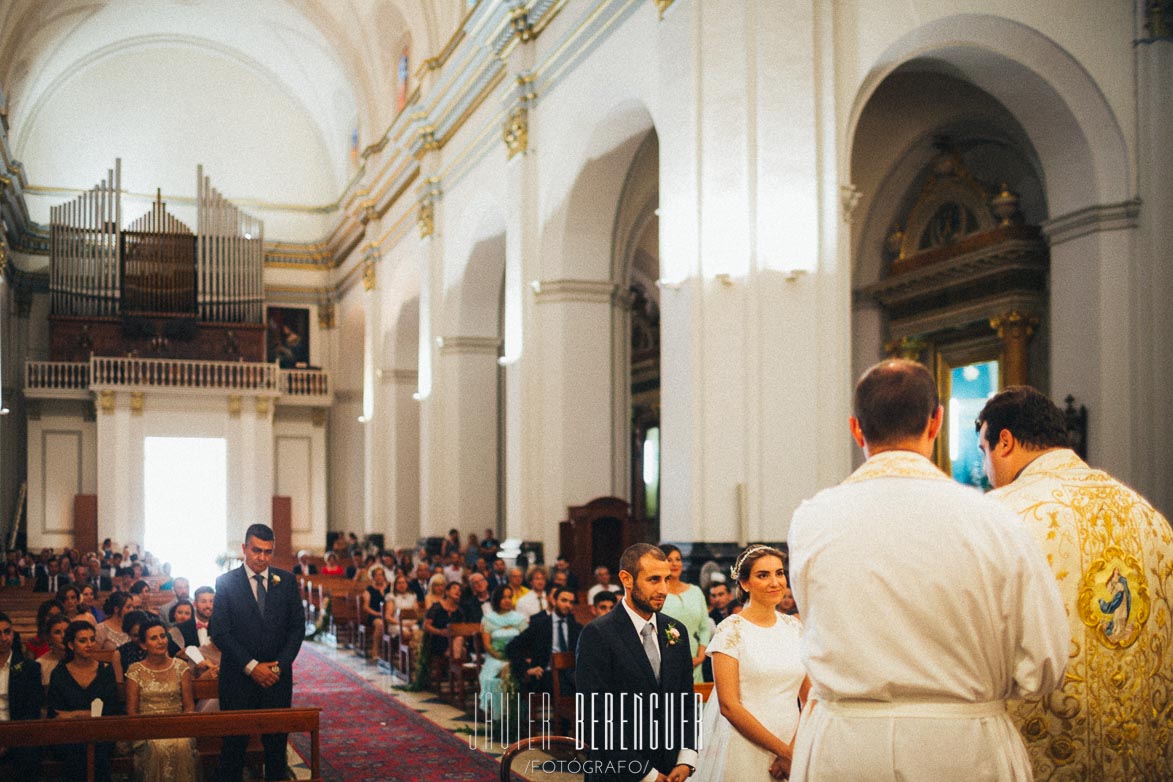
x=735, y=571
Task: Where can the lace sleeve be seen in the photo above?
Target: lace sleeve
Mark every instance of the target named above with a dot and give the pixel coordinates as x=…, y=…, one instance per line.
x=727, y=639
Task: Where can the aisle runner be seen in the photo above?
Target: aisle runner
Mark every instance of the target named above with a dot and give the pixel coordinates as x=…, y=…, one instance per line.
x=368, y=736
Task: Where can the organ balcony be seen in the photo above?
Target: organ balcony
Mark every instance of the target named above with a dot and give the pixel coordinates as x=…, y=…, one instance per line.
x=80, y=379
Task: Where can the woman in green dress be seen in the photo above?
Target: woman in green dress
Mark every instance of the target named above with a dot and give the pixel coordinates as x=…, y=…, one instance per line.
x=686, y=604
x=498, y=628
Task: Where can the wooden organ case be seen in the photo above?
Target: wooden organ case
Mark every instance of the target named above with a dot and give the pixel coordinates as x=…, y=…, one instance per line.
x=155, y=289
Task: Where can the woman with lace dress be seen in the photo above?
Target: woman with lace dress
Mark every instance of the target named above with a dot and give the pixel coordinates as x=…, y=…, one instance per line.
x=160, y=684
x=498, y=628
x=752, y=714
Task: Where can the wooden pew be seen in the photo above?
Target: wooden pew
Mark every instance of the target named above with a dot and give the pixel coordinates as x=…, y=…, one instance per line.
x=40, y=733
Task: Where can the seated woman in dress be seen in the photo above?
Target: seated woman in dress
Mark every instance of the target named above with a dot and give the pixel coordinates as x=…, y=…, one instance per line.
x=437, y=586
x=332, y=568
x=752, y=715
x=400, y=598
x=443, y=613
x=88, y=594
x=110, y=634
x=132, y=651
x=54, y=632
x=37, y=645
x=74, y=687
x=69, y=596
x=498, y=628
x=160, y=684
x=12, y=576
x=181, y=612
x=372, y=607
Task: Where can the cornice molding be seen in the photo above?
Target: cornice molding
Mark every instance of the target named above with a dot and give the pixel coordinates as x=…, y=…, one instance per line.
x=1092, y=219
x=589, y=291
x=468, y=345
x=399, y=377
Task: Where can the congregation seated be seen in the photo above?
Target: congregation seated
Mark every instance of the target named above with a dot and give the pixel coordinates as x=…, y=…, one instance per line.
x=54, y=632
x=304, y=567
x=442, y=613
x=602, y=582
x=332, y=568
x=372, y=604
x=160, y=684
x=400, y=598
x=38, y=644
x=110, y=634
x=547, y=634
x=535, y=600
x=436, y=590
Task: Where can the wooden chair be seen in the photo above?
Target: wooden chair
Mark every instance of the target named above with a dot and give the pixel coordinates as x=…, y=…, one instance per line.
x=704, y=689
x=562, y=664
x=466, y=666
x=360, y=627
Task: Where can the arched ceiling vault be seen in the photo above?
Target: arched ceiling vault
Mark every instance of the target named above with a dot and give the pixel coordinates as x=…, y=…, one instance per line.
x=331, y=63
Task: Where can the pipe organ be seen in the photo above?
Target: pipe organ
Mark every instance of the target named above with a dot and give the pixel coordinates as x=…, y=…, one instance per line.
x=155, y=286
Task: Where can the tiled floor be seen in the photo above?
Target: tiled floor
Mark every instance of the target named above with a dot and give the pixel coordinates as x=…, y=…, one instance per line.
x=533, y=764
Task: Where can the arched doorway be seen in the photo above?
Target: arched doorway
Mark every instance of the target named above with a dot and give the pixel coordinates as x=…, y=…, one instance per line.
x=636, y=268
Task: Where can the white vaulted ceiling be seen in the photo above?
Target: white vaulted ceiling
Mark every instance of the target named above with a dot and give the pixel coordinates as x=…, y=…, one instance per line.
x=264, y=93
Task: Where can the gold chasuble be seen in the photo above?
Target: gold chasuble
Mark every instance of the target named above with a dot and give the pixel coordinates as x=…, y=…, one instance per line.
x=1112, y=555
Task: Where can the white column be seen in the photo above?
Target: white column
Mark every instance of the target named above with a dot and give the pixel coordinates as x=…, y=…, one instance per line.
x=524, y=436
x=374, y=446
x=432, y=397
x=1154, y=390
x=398, y=426
x=756, y=305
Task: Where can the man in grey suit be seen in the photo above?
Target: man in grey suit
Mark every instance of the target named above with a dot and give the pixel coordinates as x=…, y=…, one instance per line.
x=258, y=624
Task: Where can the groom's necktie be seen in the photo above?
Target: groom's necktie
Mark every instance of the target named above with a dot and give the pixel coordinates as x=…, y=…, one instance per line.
x=651, y=648
x=260, y=593
x=562, y=635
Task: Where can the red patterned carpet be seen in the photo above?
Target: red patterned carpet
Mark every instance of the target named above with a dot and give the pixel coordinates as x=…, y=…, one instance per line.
x=368, y=736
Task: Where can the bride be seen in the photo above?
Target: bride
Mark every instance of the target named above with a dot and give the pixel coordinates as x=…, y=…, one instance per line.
x=752, y=715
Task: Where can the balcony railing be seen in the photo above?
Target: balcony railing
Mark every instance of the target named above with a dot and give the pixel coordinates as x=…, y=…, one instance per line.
x=49, y=379
x=188, y=375
x=56, y=376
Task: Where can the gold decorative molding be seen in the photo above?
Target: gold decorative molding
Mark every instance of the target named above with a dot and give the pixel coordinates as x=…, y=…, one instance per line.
x=662, y=7
x=106, y=401
x=137, y=401
x=326, y=315
x=1015, y=329
x=426, y=214
x=517, y=131
x=234, y=405
x=909, y=348
x=370, y=270
x=367, y=212
x=519, y=18
x=3, y=258
x=263, y=406
x=426, y=218
x=428, y=142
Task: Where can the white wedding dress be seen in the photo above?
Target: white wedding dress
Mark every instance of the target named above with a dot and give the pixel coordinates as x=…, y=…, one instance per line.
x=770, y=673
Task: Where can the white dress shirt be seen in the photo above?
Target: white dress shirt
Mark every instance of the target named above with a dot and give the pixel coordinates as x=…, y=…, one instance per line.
x=5, y=671
x=264, y=574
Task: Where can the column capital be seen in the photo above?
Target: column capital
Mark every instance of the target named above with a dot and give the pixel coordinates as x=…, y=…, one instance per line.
x=909, y=348
x=426, y=210
x=1015, y=324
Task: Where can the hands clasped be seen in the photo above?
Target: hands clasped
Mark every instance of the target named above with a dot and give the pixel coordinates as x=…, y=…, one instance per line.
x=266, y=674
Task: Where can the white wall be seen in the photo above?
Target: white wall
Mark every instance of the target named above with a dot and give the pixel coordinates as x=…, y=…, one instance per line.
x=62, y=462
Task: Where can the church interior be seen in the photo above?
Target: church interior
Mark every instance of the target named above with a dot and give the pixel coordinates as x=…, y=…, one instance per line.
x=579, y=272
x=509, y=258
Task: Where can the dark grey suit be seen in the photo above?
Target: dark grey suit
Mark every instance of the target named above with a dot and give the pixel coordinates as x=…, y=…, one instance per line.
x=242, y=634
x=611, y=660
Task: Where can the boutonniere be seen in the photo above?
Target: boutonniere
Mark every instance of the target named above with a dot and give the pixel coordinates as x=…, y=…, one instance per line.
x=16, y=667
x=276, y=579
x=671, y=634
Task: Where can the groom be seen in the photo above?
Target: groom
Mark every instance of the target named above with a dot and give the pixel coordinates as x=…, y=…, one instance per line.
x=635, y=704
x=258, y=624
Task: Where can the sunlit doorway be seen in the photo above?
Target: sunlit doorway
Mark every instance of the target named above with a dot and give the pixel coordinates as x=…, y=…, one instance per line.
x=186, y=504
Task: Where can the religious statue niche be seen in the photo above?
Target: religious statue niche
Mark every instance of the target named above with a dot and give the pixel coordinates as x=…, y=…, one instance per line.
x=154, y=287
x=964, y=291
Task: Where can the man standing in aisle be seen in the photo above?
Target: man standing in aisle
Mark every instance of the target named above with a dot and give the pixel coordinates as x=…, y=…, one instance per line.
x=1110, y=552
x=926, y=606
x=258, y=624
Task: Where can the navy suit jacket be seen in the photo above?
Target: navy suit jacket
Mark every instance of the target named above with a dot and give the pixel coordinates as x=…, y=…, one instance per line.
x=611, y=660
x=242, y=634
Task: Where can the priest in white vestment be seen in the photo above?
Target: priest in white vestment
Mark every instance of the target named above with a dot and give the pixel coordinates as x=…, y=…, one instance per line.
x=1112, y=557
x=926, y=607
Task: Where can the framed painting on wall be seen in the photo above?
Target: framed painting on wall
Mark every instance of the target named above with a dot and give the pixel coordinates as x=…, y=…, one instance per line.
x=288, y=336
